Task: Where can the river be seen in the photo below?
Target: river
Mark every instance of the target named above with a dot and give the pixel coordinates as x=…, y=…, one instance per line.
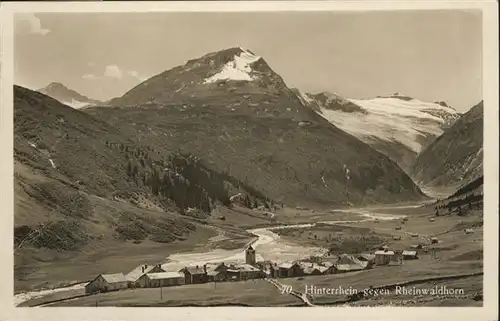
x=268, y=246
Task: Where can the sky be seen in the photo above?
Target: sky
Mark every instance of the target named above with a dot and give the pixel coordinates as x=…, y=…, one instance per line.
x=429, y=55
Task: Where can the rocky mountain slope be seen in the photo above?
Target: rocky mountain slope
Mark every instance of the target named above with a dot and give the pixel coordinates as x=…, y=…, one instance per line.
x=81, y=184
x=397, y=126
x=67, y=96
x=456, y=157
x=232, y=109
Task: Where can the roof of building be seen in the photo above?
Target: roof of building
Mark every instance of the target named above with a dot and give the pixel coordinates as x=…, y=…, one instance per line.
x=348, y=259
x=214, y=266
x=367, y=256
x=114, y=278
x=164, y=275
x=213, y=273
x=310, y=269
x=411, y=253
x=247, y=268
x=322, y=268
x=348, y=267
x=384, y=252
x=193, y=270
x=286, y=265
x=136, y=273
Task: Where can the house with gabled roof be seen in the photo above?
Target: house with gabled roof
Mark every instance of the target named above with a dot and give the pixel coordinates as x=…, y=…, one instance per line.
x=195, y=274
x=106, y=283
x=289, y=269
x=161, y=279
x=134, y=275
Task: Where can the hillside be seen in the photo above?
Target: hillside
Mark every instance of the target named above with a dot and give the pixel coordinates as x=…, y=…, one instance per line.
x=232, y=109
x=397, y=126
x=456, y=157
x=67, y=96
x=82, y=185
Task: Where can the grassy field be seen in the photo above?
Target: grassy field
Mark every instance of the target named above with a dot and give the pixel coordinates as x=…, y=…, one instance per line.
x=249, y=293
x=112, y=258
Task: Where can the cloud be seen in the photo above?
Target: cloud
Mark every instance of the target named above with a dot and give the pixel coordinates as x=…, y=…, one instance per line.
x=34, y=23
x=135, y=74
x=113, y=71
x=89, y=77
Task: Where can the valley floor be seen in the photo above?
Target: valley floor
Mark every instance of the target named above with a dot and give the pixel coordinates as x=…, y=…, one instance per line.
x=457, y=263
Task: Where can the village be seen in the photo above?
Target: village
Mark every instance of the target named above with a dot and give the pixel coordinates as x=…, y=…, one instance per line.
x=154, y=276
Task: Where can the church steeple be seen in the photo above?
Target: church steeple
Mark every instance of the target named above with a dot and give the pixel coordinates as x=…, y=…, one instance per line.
x=250, y=255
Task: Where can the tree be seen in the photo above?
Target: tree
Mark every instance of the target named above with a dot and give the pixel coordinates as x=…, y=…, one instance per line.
x=129, y=168
x=135, y=170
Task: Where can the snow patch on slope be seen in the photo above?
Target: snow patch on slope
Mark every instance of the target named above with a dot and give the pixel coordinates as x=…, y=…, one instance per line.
x=75, y=103
x=392, y=120
x=237, y=69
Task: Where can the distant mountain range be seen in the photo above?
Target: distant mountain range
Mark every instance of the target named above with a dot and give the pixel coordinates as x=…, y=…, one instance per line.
x=233, y=109
x=398, y=126
x=67, y=96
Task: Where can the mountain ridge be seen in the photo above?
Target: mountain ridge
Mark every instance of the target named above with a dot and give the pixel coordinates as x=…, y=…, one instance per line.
x=208, y=107
x=455, y=158
x=67, y=96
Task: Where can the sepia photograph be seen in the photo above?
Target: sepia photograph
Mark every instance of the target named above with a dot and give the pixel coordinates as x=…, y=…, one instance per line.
x=282, y=158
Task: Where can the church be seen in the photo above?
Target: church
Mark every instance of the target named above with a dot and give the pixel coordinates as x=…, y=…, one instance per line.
x=250, y=256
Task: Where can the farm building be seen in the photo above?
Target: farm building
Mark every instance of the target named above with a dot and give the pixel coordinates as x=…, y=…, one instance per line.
x=106, y=283
x=347, y=263
x=273, y=270
x=396, y=237
x=288, y=269
x=216, y=267
x=141, y=270
x=434, y=240
x=468, y=231
x=409, y=255
x=310, y=268
x=383, y=257
x=413, y=234
x=370, y=258
x=352, y=260
x=216, y=276
x=194, y=274
x=343, y=268
x=161, y=279
x=249, y=272
x=233, y=274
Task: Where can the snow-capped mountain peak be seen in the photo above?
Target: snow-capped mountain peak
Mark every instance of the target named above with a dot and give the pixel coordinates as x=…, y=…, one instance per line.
x=239, y=68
